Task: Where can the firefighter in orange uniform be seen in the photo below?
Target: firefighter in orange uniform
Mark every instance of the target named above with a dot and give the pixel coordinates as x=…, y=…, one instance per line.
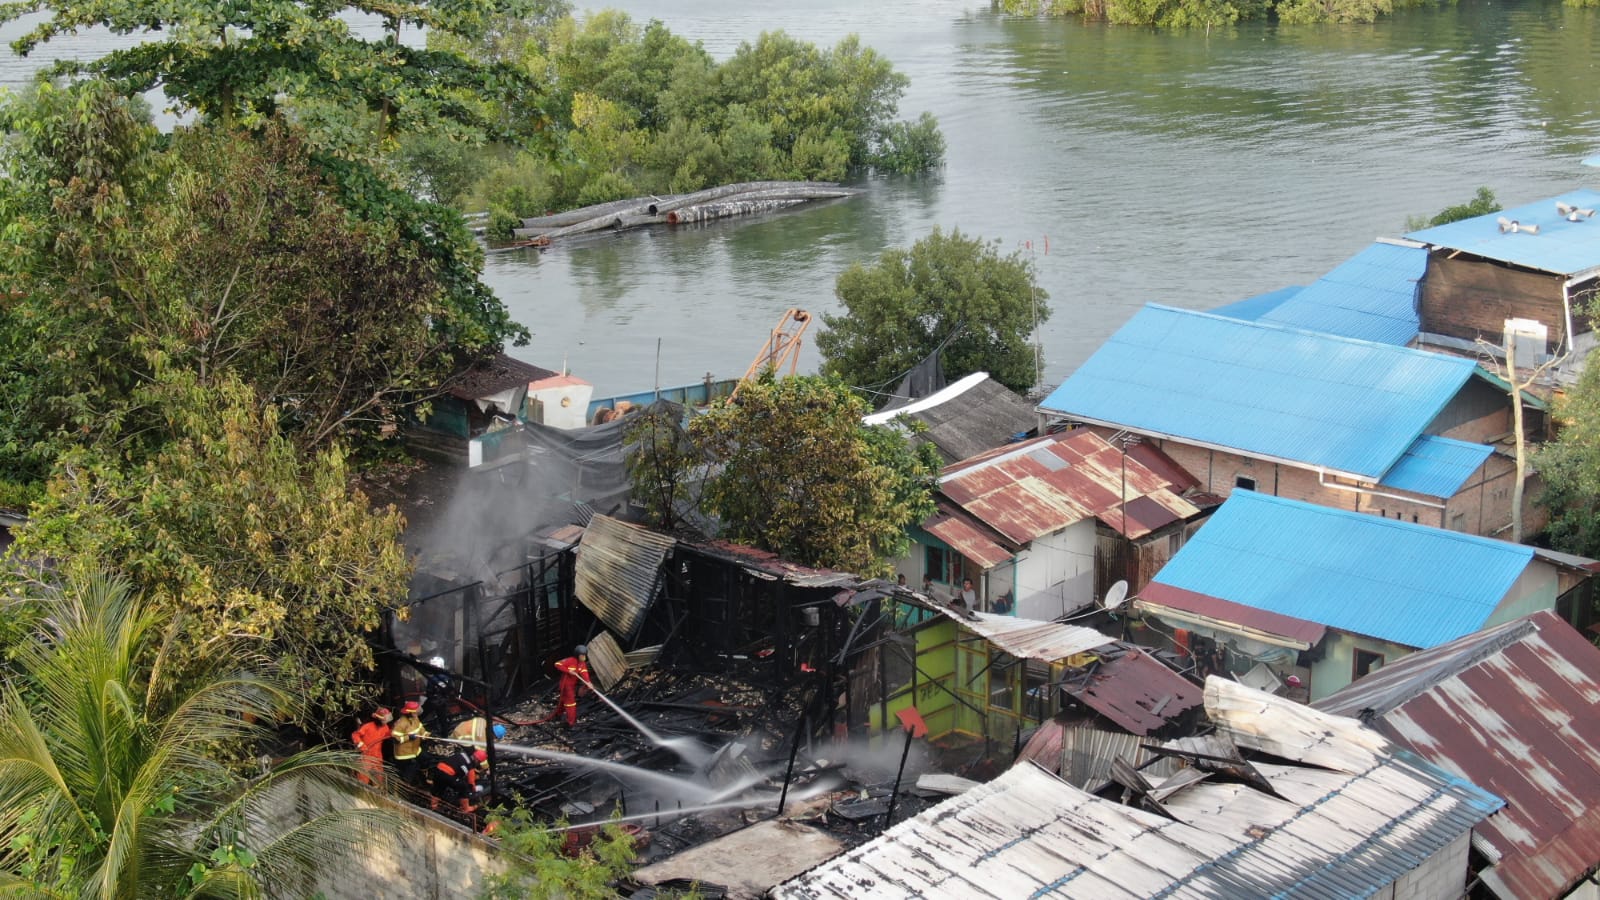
x=369, y=740
x=574, y=677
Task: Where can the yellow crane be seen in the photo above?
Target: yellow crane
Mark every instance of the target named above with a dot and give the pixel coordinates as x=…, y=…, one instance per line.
x=782, y=347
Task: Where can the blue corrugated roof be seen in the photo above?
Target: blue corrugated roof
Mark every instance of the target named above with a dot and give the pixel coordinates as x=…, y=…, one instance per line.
x=1436, y=466
x=1352, y=407
x=1384, y=578
x=1562, y=247
x=1370, y=297
x=1251, y=309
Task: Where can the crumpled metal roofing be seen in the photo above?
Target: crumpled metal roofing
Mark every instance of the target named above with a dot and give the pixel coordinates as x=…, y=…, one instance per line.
x=1316, y=400
x=1414, y=585
x=1511, y=707
x=1027, y=638
x=1131, y=688
x=492, y=375
x=1436, y=466
x=1372, y=296
x=617, y=571
x=1334, y=834
x=1560, y=247
x=1038, y=487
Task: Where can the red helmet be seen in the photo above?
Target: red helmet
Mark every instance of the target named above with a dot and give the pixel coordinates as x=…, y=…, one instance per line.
x=382, y=714
x=411, y=707
x=480, y=756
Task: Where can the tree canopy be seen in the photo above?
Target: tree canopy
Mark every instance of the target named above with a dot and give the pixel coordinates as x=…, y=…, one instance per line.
x=948, y=292
x=793, y=471
x=635, y=109
x=339, y=299
x=238, y=62
x=1570, y=465
x=230, y=528
x=115, y=779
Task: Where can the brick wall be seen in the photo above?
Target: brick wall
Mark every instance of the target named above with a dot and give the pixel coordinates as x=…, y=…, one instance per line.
x=1469, y=299
x=427, y=858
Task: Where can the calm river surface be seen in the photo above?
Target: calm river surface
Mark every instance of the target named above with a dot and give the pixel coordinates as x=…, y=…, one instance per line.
x=1187, y=169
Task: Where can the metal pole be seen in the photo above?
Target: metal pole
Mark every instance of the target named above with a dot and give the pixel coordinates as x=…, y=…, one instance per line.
x=888, y=818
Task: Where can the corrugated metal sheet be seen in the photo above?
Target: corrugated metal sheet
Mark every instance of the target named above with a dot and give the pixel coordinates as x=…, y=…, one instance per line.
x=1251, y=309
x=1411, y=584
x=966, y=537
x=1082, y=755
x=1038, y=487
x=1436, y=466
x=1182, y=606
x=1511, y=708
x=492, y=375
x=1561, y=247
x=1027, y=638
x=1029, y=834
x=618, y=567
x=1132, y=689
x=1369, y=297
x=765, y=564
x=606, y=660
x=1350, y=406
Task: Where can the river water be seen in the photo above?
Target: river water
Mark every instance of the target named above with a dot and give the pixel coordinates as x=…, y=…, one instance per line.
x=1131, y=166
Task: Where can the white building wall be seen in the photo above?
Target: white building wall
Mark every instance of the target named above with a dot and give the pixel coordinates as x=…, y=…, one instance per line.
x=1055, y=574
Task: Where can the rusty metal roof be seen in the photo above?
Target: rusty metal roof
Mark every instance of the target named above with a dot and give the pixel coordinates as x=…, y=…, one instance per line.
x=966, y=536
x=493, y=374
x=1345, y=832
x=1181, y=605
x=1134, y=690
x=1027, y=638
x=1038, y=487
x=618, y=567
x=771, y=566
x=1511, y=708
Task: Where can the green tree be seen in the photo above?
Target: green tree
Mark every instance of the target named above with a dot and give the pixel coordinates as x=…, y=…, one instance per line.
x=237, y=62
x=1481, y=204
x=341, y=298
x=795, y=472
x=948, y=291
x=1570, y=465
x=228, y=527
x=114, y=778
x=661, y=461
x=540, y=865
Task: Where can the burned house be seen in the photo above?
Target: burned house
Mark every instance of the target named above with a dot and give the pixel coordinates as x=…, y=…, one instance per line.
x=1280, y=801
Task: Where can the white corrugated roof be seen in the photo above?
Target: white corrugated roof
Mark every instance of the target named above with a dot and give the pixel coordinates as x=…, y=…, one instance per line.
x=1029, y=834
x=1030, y=638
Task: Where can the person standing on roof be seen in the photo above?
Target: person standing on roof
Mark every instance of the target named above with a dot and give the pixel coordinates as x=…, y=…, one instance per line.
x=574, y=677
x=475, y=730
x=369, y=740
x=408, y=734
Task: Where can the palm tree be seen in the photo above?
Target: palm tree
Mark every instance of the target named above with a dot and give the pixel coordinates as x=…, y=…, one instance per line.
x=118, y=781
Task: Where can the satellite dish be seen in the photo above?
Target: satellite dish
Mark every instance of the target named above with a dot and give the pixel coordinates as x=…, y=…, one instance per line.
x=1116, y=596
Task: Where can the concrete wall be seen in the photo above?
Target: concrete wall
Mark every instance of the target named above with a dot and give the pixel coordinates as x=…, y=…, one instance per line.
x=428, y=858
x=1336, y=668
x=1055, y=573
x=1536, y=589
x=1442, y=876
